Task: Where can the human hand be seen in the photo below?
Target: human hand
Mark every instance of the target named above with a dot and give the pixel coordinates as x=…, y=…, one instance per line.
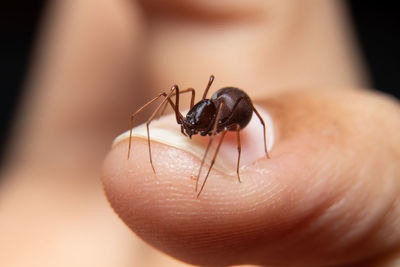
x=95, y=59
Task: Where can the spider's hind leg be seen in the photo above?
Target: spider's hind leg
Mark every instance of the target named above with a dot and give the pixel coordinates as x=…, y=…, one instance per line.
x=239, y=150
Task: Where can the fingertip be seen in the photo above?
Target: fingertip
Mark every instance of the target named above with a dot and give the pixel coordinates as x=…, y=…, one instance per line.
x=165, y=209
x=229, y=222
x=288, y=209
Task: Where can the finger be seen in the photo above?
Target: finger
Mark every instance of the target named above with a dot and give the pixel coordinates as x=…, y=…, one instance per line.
x=82, y=85
x=328, y=195
x=81, y=90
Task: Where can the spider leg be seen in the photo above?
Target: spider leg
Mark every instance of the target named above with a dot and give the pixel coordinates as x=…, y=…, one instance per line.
x=165, y=105
x=259, y=117
x=212, y=162
x=203, y=160
x=166, y=100
x=213, y=133
x=192, y=96
x=239, y=150
x=188, y=90
x=263, y=124
x=137, y=112
x=178, y=119
x=208, y=86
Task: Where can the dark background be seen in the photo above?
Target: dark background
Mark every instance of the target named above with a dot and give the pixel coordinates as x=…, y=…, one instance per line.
x=376, y=24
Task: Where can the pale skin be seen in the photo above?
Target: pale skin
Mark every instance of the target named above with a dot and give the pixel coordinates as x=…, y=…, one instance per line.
x=328, y=195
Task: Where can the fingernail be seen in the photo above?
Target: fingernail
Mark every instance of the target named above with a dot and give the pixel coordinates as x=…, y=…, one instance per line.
x=168, y=132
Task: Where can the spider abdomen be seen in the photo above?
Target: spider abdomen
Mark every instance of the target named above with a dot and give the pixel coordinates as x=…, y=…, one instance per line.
x=231, y=115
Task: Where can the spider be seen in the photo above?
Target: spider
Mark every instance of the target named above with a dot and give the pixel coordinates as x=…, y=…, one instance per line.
x=228, y=109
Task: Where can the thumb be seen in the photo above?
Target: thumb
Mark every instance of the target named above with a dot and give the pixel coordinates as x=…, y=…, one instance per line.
x=328, y=195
